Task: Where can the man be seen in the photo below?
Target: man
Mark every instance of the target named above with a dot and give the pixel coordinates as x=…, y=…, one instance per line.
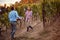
x=28, y=15
x=13, y=16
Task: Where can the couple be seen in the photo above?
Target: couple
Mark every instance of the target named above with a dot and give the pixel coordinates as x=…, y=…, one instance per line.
x=13, y=16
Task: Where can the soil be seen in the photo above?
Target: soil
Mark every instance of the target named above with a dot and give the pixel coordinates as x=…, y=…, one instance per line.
x=50, y=32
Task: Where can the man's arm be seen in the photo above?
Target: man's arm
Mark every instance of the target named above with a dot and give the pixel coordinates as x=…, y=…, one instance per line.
x=18, y=17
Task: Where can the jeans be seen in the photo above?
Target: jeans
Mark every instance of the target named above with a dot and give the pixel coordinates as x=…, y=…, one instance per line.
x=13, y=28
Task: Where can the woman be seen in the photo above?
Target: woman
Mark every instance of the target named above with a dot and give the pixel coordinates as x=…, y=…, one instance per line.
x=28, y=15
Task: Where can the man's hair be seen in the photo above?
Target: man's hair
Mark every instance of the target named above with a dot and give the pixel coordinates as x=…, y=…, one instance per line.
x=12, y=8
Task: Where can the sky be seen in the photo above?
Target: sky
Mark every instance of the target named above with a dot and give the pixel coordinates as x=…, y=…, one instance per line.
x=8, y=1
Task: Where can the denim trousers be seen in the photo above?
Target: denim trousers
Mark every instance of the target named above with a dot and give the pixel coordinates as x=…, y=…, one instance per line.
x=13, y=28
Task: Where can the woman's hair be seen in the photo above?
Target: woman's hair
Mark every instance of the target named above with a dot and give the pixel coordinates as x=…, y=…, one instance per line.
x=29, y=8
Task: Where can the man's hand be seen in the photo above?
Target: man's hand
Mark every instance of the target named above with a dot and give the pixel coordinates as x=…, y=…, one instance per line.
x=22, y=18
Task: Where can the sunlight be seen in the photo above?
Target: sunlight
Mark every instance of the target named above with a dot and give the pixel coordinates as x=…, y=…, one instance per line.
x=8, y=1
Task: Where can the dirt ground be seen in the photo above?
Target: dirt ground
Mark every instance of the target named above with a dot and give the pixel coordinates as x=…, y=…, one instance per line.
x=52, y=32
